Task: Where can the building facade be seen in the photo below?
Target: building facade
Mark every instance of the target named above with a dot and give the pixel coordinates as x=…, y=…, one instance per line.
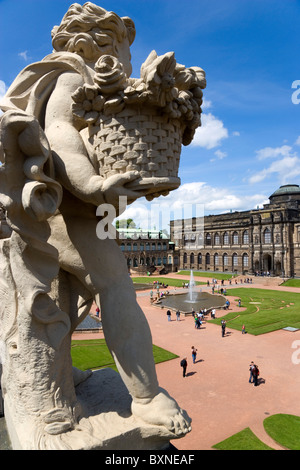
x=147, y=250
x=249, y=242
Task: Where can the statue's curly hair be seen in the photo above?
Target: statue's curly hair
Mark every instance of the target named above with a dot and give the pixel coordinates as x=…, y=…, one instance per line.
x=94, y=26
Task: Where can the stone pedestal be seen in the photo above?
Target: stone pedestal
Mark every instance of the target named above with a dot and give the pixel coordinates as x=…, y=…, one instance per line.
x=106, y=422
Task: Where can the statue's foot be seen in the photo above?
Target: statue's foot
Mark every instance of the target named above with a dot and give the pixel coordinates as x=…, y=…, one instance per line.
x=80, y=376
x=162, y=410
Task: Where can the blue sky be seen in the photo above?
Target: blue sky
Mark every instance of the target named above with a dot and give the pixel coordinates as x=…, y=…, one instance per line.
x=249, y=143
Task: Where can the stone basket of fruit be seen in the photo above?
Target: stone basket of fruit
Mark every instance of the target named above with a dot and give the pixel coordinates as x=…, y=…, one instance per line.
x=140, y=124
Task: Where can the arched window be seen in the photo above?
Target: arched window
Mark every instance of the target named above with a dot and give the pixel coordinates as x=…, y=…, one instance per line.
x=246, y=237
x=267, y=236
x=122, y=246
x=128, y=247
x=217, y=239
x=185, y=258
x=225, y=259
x=199, y=258
x=226, y=238
x=208, y=239
x=192, y=258
x=200, y=239
x=147, y=246
x=207, y=258
x=135, y=247
x=245, y=260
x=216, y=259
x=234, y=259
x=235, y=238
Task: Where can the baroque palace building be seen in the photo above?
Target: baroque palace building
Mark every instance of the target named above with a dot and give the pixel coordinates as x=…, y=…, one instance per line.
x=147, y=250
x=261, y=241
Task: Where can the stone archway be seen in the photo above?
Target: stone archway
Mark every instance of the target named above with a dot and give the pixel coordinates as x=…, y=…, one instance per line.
x=278, y=268
x=267, y=263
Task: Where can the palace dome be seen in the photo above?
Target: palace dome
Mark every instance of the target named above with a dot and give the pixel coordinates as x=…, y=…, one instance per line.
x=287, y=192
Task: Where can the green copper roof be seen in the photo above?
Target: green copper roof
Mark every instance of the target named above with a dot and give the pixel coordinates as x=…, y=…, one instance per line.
x=287, y=189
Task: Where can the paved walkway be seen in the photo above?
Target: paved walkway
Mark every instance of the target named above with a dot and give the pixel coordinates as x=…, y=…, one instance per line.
x=216, y=392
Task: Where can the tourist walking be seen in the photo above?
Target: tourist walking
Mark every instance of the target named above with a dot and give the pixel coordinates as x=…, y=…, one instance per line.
x=183, y=364
x=178, y=315
x=255, y=374
x=169, y=315
x=243, y=330
x=194, y=354
x=251, y=374
x=223, y=326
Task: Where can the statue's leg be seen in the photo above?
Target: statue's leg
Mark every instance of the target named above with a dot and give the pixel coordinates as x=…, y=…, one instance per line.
x=101, y=267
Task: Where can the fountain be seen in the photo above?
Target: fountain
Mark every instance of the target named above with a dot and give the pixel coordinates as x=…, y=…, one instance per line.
x=191, y=286
x=193, y=300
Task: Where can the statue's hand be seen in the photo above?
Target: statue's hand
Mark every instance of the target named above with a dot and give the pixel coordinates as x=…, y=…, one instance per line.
x=115, y=186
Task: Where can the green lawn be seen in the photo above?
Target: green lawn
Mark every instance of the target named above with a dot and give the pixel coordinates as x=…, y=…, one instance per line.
x=165, y=280
x=282, y=428
x=292, y=283
x=266, y=310
x=243, y=440
x=209, y=274
x=94, y=354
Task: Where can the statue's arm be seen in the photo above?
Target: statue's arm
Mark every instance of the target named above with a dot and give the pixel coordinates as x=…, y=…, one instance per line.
x=72, y=166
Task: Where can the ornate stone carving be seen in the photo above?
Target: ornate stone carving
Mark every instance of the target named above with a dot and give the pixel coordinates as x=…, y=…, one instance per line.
x=78, y=132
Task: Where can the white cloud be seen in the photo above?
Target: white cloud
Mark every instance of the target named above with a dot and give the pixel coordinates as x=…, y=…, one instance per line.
x=188, y=198
x=206, y=104
x=24, y=55
x=3, y=89
x=211, y=133
x=236, y=133
x=285, y=165
x=273, y=152
x=286, y=169
x=220, y=154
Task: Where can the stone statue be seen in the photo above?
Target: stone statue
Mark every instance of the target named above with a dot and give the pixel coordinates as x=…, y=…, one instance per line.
x=78, y=132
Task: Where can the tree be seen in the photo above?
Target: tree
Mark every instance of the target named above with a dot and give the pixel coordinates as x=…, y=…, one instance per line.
x=125, y=223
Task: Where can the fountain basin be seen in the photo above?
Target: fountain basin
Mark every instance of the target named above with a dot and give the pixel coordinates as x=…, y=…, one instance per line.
x=200, y=300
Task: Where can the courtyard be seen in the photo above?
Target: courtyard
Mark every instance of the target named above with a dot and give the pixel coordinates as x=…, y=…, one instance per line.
x=216, y=392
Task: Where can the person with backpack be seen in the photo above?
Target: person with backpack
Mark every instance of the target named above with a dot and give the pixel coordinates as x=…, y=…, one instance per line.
x=183, y=364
